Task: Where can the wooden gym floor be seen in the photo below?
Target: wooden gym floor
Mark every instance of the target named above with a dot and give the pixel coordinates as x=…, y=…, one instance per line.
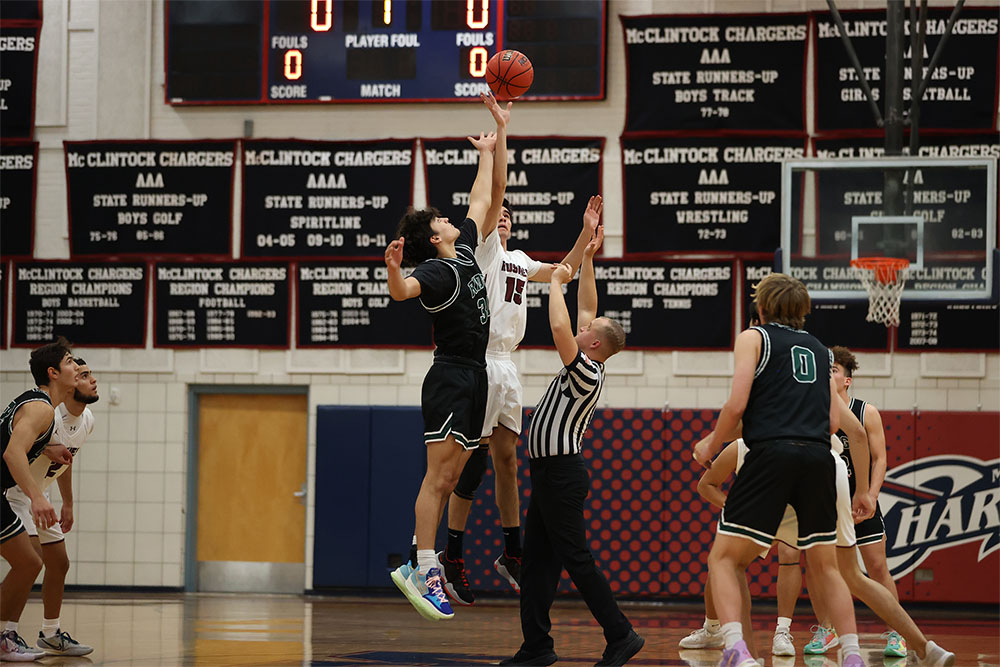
x=213, y=629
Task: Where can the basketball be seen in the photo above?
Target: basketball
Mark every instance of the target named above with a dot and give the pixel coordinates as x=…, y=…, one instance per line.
x=509, y=74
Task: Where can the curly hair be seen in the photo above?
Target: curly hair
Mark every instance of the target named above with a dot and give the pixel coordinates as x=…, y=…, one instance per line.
x=846, y=359
x=415, y=227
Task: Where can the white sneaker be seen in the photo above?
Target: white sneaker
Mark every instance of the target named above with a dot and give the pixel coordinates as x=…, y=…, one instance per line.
x=703, y=638
x=782, y=643
x=935, y=656
x=14, y=649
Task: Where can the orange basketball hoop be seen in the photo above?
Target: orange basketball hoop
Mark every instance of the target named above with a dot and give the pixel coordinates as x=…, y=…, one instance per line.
x=883, y=278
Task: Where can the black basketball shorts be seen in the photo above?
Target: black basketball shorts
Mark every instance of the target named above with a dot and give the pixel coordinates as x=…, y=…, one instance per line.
x=10, y=524
x=453, y=401
x=871, y=531
x=780, y=473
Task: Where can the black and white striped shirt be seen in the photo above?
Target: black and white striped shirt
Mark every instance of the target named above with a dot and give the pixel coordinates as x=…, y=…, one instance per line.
x=563, y=414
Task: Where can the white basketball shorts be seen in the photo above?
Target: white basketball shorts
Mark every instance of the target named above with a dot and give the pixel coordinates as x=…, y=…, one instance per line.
x=22, y=508
x=503, y=402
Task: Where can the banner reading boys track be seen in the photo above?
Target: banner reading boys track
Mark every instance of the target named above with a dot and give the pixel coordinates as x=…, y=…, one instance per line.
x=221, y=305
x=348, y=303
x=549, y=182
x=90, y=304
x=18, y=70
x=18, y=162
x=324, y=198
x=738, y=71
x=961, y=92
x=150, y=197
x=704, y=194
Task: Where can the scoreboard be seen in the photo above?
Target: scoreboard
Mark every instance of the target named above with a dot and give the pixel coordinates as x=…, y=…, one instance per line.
x=287, y=51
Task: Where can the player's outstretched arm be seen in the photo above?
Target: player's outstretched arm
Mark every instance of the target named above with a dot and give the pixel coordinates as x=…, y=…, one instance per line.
x=710, y=484
x=745, y=355
x=591, y=218
x=876, y=447
x=586, y=295
x=499, y=183
x=30, y=420
x=400, y=288
x=479, y=196
x=562, y=329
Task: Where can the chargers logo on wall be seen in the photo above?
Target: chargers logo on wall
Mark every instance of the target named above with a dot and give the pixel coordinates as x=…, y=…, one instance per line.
x=936, y=503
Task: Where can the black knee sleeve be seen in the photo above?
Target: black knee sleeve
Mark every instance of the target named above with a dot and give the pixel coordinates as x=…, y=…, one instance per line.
x=472, y=474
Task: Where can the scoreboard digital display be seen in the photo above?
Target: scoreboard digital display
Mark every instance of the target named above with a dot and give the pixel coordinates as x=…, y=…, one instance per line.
x=286, y=51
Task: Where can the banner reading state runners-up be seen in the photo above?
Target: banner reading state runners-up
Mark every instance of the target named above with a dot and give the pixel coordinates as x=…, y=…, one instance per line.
x=90, y=304
x=697, y=72
x=150, y=197
x=348, y=303
x=704, y=194
x=549, y=182
x=324, y=198
x=18, y=67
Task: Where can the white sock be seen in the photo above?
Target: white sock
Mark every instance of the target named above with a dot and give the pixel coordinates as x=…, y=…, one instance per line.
x=11, y=625
x=712, y=624
x=733, y=633
x=50, y=626
x=849, y=644
x=784, y=623
x=425, y=560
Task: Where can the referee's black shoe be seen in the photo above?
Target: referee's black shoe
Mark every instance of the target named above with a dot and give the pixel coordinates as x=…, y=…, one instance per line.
x=522, y=658
x=621, y=651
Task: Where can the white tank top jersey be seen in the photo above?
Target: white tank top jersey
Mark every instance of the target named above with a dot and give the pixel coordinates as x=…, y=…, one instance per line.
x=507, y=273
x=70, y=431
x=741, y=450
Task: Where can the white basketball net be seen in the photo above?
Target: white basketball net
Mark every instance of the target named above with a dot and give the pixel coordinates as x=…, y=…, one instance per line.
x=885, y=290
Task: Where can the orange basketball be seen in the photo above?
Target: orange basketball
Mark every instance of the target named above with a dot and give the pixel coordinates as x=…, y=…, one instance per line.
x=509, y=74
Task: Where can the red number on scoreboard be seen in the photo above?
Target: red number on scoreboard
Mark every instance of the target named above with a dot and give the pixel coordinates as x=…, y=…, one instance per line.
x=471, y=19
x=321, y=20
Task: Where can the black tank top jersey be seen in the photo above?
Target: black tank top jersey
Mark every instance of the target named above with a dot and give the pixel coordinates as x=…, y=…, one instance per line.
x=453, y=291
x=790, y=396
x=7, y=427
x=858, y=408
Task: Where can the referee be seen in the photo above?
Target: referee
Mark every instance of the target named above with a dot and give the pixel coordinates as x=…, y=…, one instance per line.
x=555, y=536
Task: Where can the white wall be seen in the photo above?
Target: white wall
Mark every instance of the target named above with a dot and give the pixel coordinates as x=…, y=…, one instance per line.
x=101, y=76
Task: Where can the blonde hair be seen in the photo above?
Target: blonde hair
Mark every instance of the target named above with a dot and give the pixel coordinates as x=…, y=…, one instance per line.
x=782, y=299
x=613, y=334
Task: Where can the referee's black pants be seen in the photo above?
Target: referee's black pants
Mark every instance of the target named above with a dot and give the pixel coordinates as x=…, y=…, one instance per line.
x=555, y=537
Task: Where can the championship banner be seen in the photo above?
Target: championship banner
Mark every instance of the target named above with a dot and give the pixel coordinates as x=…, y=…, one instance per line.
x=962, y=89
x=18, y=78
x=704, y=194
x=324, y=198
x=549, y=182
x=91, y=304
x=150, y=198
x=936, y=326
x=221, y=305
x=4, y=271
x=344, y=304
x=716, y=72
x=18, y=170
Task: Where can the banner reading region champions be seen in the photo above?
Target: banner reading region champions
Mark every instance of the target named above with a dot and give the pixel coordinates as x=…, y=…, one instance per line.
x=697, y=72
x=961, y=91
x=18, y=162
x=90, y=304
x=150, y=197
x=221, y=305
x=324, y=198
x=348, y=304
x=549, y=182
x=704, y=194
x=18, y=68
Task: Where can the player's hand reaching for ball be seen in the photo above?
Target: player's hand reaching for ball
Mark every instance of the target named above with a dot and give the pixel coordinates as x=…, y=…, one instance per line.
x=394, y=253
x=501, y=115
x=486, y=142
x=592, y=216
x=595, y=242
x=562, y=274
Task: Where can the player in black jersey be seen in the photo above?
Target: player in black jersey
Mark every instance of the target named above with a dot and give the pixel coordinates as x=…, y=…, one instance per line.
x=451, y=288
x=783, y=391
x=25, y=429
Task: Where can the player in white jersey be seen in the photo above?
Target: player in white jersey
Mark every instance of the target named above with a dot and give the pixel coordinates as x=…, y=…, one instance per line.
x=507, y=272
x=74, y=422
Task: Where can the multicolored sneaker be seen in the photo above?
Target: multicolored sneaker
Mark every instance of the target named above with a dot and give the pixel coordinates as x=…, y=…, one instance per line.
x=455, y=581
x=14, y=649
x=738, y=656
x=895, y=645
x=509, y=568
x=703, y=638
x=823, y=640
x=62, y=644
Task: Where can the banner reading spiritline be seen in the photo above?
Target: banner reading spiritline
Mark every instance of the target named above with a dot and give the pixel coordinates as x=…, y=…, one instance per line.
x=938, y=502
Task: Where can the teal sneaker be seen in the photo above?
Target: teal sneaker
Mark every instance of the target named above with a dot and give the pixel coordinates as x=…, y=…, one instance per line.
x=425, y=593
x=895, y=645
x=823, y=640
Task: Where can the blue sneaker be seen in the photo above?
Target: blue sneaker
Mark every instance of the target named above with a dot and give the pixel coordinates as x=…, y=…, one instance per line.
x=426, y=594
